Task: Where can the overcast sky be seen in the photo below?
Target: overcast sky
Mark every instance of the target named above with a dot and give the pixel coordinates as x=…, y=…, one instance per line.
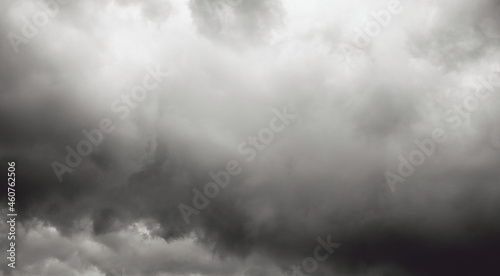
x=371, y=123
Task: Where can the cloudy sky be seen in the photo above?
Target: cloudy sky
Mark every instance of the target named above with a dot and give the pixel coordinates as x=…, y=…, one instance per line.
x=238, y=137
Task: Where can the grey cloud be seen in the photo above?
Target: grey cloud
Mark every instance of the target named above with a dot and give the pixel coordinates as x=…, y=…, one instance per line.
x=323, y=175
x=237, y=21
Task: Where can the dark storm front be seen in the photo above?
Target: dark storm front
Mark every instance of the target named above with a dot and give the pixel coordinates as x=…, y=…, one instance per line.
x=122, y=106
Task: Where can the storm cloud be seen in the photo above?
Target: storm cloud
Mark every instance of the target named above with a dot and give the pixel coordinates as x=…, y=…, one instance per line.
x=391, y=148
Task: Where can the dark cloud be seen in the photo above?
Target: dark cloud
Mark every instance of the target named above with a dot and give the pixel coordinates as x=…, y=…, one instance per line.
x=229, y=65
x=236, y=20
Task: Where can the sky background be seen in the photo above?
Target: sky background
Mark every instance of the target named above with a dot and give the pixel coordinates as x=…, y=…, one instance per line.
x=229, y=66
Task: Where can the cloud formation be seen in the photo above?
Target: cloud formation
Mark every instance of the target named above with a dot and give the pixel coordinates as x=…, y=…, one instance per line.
x=229, y=64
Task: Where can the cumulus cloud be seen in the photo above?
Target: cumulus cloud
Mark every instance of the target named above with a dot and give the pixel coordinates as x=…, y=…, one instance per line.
x=226, y=67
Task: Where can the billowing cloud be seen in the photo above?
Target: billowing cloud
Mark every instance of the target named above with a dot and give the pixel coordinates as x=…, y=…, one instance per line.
x=166, y=97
